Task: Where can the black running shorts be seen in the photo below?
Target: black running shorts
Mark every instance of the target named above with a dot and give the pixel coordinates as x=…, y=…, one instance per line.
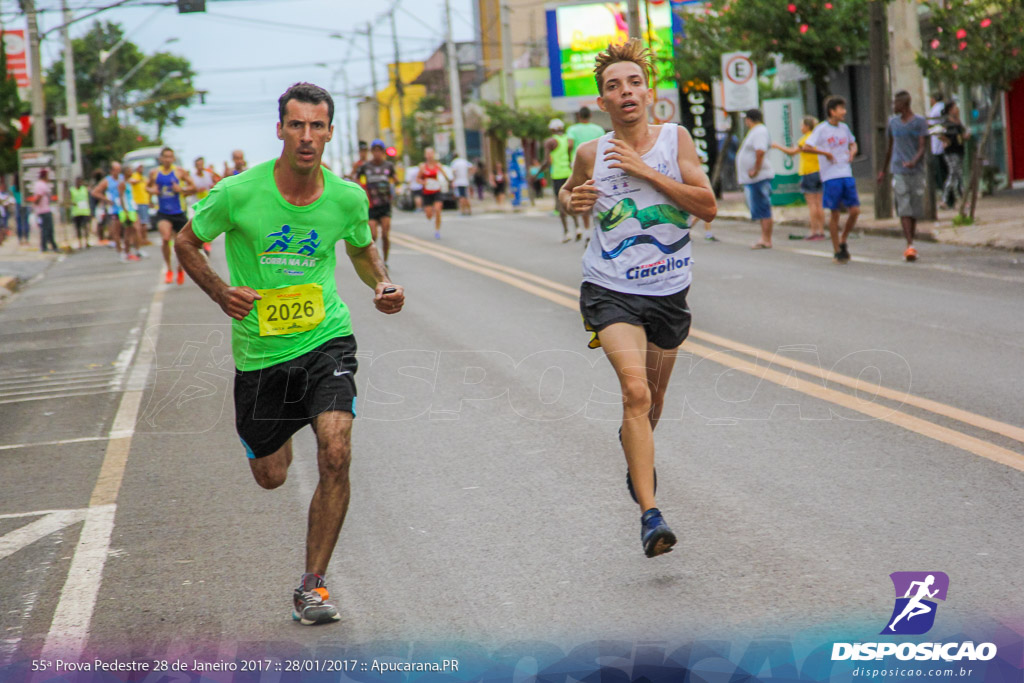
x=273, y=403
x=378, y=212
x=177, y=220
x=665, y=319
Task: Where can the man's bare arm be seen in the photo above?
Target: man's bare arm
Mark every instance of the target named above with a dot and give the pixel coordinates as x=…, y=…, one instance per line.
x=578, y=194
x=693, y=195
x=236, y=302
x=370, y=269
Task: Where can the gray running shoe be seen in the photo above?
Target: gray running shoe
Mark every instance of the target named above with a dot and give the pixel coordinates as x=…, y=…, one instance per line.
x=310, y=602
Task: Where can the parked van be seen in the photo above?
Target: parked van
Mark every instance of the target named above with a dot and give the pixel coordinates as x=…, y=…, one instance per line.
x=149, y=157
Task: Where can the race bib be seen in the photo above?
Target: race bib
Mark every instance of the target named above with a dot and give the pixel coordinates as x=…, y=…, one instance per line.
x=298, y=308
x=432, y=185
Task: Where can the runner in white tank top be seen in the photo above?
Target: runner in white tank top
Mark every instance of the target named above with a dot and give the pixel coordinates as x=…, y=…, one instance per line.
x=641, y=182
x=641, y=242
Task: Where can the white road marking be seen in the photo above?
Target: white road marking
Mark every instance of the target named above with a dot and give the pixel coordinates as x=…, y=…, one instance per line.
x=69, y=630
x=60, y=442
x=50, y=522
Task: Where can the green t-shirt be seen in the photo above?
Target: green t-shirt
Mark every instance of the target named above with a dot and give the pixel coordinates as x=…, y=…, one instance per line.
x=583, y=132
x=272, y=244
x=79, y=201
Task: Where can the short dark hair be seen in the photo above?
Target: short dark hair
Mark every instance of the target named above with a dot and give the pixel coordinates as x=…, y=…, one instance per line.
x=938, y=96
x=584, y=113
x=754, y=115
x=167, y=149
x=901, y=95
x=833, y=101
x=308, y=93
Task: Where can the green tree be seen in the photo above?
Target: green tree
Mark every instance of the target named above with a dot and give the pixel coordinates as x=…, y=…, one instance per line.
x=977, y=44
x=820, y=36
x=155, y=94
x=11, y=108
x=529, y=125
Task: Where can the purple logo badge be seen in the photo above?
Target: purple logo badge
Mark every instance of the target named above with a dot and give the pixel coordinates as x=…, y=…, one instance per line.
x=914, y=612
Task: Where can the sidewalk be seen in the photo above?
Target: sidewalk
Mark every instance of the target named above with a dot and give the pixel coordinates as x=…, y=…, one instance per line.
x=999, y=220
x=19, y=263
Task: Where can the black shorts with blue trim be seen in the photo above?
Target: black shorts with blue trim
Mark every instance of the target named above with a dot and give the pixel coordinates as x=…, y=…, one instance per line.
x=273, y=403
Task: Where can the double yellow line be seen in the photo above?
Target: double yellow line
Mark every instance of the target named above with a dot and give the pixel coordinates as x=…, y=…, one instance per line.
x=763, y=361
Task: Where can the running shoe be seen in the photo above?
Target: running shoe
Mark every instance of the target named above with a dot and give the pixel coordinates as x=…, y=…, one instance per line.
x=708, y=237
x=844, y=253
x=133, y=257
x=657, y=538
x=181, y=277
x=310, y=604
x=437, y=234
x=910, y=254
x=169, y=277
x=814, y=238
x=629, y=479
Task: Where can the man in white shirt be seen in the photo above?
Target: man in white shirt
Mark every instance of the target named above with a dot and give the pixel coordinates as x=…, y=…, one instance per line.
x=460, y=174
x=755, y=174
x=835, y=143
x=935, y=123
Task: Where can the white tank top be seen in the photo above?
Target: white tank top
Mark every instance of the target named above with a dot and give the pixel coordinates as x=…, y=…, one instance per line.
x=641, y=242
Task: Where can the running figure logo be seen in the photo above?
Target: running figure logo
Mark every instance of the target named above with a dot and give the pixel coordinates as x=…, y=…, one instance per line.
x=914, y=612
x=284, y=239
x=310, y=244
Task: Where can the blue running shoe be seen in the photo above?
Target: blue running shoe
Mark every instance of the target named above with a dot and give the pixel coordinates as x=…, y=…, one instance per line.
x=629, y=479
x=310, y=604
x=657, y=538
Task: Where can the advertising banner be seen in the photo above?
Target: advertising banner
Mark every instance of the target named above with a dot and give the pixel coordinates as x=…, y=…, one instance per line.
x=697, y=114
x=577, y=33
x=16, y=49
x=782, y=116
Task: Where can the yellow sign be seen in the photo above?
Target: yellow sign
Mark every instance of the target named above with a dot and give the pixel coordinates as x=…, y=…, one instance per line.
x=298, y=308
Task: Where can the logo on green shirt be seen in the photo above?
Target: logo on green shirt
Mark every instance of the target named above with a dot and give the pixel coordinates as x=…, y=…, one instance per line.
x=281, y=246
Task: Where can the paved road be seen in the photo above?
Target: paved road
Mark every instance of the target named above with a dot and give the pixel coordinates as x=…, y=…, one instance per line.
x=827, y=426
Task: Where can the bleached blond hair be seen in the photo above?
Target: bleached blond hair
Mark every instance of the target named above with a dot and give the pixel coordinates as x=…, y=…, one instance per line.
x=632, y=50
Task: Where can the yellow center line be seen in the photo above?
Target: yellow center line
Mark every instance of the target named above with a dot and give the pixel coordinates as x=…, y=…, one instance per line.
x=529, y=282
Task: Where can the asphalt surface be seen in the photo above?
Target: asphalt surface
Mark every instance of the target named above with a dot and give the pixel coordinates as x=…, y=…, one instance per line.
x=488, y=499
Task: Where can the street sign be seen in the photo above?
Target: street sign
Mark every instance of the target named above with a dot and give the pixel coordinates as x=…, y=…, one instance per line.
x=664, y=110
x=739, y=76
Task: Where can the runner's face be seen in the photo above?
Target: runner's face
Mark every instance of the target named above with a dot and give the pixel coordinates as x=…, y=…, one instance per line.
x=378, y=154
x=167, y=158
x=305, y=132
x=626, y=95
x=200, y=164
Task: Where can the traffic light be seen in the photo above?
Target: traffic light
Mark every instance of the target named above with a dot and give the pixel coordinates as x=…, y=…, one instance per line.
x=186, y=6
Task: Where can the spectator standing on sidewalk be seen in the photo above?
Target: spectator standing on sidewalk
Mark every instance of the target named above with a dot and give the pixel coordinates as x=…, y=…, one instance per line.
x=833, y=141
x=21, y=212
x=907, y=135
x=80, y=211
x=810, y=178
x=754, y=173
x=44, y=213
x=937, y=105
x=953, y=136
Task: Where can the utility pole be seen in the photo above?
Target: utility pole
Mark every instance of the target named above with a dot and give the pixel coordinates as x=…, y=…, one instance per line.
x=455, y=86
x=399, y=87
x=35, y=63
x=878, y=57
x=373, y=81
x=508, y=74
x=634, y=19
x=71, y=96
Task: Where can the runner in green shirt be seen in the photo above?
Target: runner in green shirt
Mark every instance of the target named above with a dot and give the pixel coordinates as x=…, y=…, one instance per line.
x=559, y=152
x=281, y=221
x=583, y=131
x=80, y=212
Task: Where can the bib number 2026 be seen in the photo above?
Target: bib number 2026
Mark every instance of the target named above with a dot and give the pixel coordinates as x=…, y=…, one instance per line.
x=298, y=308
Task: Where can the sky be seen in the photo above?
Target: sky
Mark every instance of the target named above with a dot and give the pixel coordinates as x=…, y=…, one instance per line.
x=247, y=52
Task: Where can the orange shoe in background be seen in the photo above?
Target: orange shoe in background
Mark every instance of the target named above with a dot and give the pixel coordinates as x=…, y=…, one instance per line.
x=169, y=277
x=181, y=277
x=910, y=254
